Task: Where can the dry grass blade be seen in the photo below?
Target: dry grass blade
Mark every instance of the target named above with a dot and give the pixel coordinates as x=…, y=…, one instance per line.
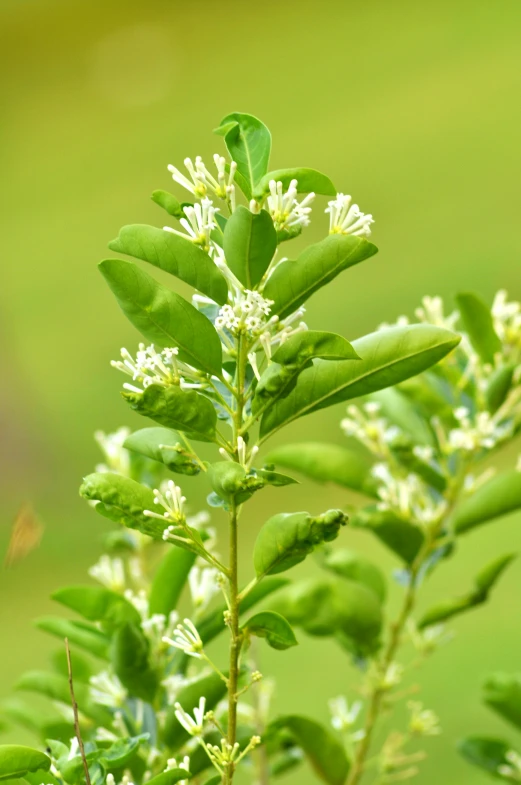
x=76, y=717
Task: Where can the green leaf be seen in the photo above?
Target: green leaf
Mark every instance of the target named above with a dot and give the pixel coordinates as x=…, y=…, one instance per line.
x=85, y=636
x=308, y=180
x=169, y=580
x=97, y=603
x=293, y=282
x=353, y=567
x=249, y=143
x=123, y=500
x=502, y=692
x=401, y=411
x=479, y=326
x=488, y=754
x=484, y=582
x=287, y=538
x=211, y=687
x=175, y=255
x=272, y=626
x=497, y=497
x=498, y=386
x=121, y=752
x=325, y=462
x=164, y=317
x=16, y=760
x=169, y=203
x=165, y=446
x=56, y=687
x=184, y=410
x=130, y=660
x=290, y=359
x=388, y=357
x=331, y=607
x=169, y=777
x=323, y=750
x=250, y=242
x=226, y=478
x=398, y=534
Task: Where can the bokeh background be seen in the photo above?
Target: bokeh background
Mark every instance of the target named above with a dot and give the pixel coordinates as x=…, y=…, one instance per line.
x=411, y=107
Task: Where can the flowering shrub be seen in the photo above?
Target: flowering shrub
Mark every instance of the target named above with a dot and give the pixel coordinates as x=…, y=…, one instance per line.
x=143, y=697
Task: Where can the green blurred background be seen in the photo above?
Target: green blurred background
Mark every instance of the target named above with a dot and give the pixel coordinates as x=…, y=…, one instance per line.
x=411, y=107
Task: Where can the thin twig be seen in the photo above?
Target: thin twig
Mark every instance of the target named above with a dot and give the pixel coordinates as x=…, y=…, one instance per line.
x=75, y=712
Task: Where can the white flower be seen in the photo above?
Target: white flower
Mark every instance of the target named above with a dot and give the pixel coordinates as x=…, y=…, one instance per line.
x=153, y=367
x=169, y=496
x=423, y=722
x=186, y=639
x=343, y=716
x=184, y=764
x=513, y=768
x=203, y=585
x=139, y=601
x=109, y=572
x=408, y=496
x=485, y=432
x=427, y=640
x=247, y=314
x=107, y=690
x=392, y=676
x=285, y=209
x=117, y=458
x=369, y=428
x=432, y=312
x=202, y=180
x=346, y=218
x=198, y=224
x=194, y=725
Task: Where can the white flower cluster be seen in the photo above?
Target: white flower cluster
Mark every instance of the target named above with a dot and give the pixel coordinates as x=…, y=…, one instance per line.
x=203, y=584
x=169, y=496
x=347, y=218
x=481, y=431
x=110, y=572
x=184, y=764
x=153, y=367
x=371, y=429
x=286, y=211
x=198, y=224
x=202, y=180
x=193, y=725
x=506, y=317
x=186, y=638
x=432, y=311
x=107, y=690
x=117, y=458
x=409, y=497
x=344, y=717
x=422, y=722
x=248, y=314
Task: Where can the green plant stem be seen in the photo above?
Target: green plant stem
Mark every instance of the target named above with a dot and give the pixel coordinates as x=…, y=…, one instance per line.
x=235, y=637
x=397, y=627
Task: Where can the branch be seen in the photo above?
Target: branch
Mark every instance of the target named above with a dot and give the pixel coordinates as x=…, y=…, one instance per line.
x=75, y=712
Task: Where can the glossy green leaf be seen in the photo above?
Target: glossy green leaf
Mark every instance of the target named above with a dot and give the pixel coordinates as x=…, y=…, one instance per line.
x=398, y=534
x=169, y=777
x=16, y=760
x=211, y=687
x=388, y=357
x=330, y=607
x=169, y=580
x=479, y=326
x=287, y=538
x=249, y=143
x=484, y=582
x=169, y=203
x=502, y=692
x=497, y=497
x=164, y=317
x=121, y=752
x=324, y=462
x=309, y=180
x=175, y=255
x=226, y=478
x=273, y=627
x=96, y=603
x=250, y=242
x=130, y=660
x=123, y=500
x=293, y=282
x=323, y=750
x=488, y=754
x=290, y=359
x=354, y=567
x=85, y=636
x=184, y=410
x=165, y=446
